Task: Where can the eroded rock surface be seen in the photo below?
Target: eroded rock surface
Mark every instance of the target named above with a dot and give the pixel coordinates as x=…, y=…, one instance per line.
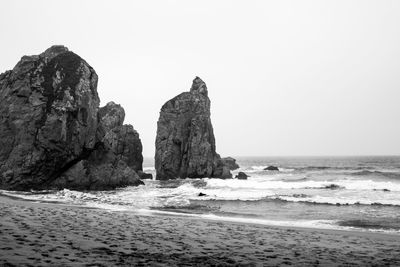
x=231, y=163
x=116, y=160
x=185, y=142
x=50, y=124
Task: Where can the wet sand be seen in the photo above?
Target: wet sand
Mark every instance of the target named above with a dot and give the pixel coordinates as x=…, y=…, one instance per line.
x=45, y=234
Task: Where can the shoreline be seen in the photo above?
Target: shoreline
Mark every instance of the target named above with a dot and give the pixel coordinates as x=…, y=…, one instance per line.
x=192, y=216
x=58, y=234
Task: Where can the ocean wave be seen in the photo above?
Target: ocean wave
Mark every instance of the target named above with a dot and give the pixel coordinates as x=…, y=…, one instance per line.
x=128, y=198
x=183, y=200
x=315, y=168
x=334, y=200
x=269, y=184
x=385, y=174
x=313, y=224
x=180, y=192
x=260, y=168
x=358, y=171
x=328, y=186
x=388, y=225
x=306, y=168
x=327, y=168
x=309, y=200
x=320, y=224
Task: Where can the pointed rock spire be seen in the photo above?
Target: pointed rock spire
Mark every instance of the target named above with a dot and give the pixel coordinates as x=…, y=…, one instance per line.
x=199, y=86
x=185, y=142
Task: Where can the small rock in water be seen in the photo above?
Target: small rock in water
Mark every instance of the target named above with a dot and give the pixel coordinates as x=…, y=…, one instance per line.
x=241, y=176
x=271, y=168
x=332, y=186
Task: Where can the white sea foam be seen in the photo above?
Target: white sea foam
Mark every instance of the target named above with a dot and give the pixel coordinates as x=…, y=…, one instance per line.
x=344, y=199
x=314, y=224
x=353, y=184
x=255, y=183
x=258, y=169
x=253, y=189
x=321, y=224
x=146, y=200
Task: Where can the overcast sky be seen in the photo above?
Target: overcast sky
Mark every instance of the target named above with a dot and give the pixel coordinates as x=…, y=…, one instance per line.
x=284, y=77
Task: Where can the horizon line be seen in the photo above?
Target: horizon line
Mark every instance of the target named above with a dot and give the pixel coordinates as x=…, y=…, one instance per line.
x=271, y=156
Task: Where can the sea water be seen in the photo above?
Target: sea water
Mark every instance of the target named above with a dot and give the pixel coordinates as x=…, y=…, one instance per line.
x=349, y=193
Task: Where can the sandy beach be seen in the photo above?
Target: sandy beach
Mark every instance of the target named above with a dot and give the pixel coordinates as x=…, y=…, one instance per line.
x=46, y=234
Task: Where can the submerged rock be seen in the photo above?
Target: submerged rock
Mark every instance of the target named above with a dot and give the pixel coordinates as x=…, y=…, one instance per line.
x=271, y=168
x=241, y=176
x=185, y=142
x=231, y=163
x=333, y=186
x=52, y=134
x=384, y=190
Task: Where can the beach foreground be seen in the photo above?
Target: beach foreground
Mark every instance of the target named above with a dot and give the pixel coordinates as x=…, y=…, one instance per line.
x=53, y=234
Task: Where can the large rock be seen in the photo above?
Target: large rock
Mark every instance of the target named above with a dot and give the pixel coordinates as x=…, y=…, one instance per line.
x=185, y=143
x=50, y=125
x=121, y=140
x=116, y=160
x=231, y=163
x=241, y=176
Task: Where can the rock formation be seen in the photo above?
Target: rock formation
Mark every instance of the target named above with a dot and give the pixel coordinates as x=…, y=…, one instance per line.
x=52, y=133
x=114, y=162
x=185, y=143
x=271, y=168
x=231, y=163
x=242, y=176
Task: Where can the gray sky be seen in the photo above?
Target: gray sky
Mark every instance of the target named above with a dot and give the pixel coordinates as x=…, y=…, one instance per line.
x=284, y=77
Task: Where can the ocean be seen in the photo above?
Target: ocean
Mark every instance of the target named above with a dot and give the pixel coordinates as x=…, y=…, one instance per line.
x=344, y=193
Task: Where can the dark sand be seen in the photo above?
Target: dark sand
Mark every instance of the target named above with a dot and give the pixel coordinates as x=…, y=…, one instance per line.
x=43, y=234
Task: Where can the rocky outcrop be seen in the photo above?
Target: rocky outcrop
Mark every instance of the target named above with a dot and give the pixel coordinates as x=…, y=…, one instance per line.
x=185, y=142
x=52, y=133
x=271, y=168
x=115, y=161
x=241, y=176
x=231, y=163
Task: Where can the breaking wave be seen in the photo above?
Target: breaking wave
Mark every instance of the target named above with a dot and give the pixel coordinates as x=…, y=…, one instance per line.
x=268, y=184
x=383, y=174
x=305, y=195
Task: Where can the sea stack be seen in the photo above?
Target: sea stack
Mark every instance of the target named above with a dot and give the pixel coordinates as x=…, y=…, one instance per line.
x=185, y=142
x=52, y=132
